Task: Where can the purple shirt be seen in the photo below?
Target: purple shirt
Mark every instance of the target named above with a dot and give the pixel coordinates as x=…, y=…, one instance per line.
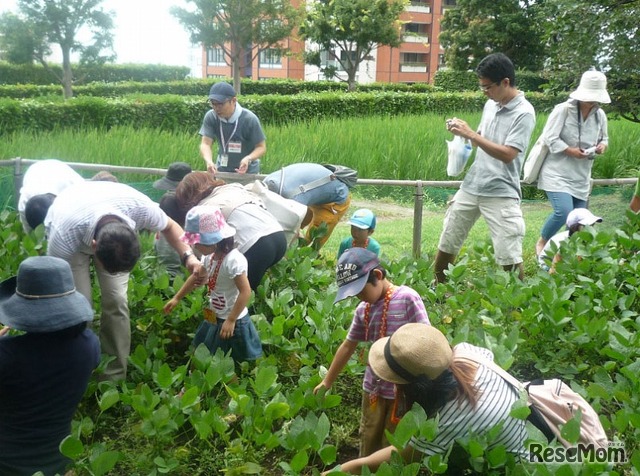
x=405, y=306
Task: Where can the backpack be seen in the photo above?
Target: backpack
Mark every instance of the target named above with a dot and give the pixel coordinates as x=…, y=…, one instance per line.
x=552, y=403
x=347, y=176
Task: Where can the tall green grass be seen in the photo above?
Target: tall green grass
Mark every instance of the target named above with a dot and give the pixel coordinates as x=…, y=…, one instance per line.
x=399, y=147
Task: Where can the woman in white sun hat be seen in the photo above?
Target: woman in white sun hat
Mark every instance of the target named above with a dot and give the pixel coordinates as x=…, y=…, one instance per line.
x=575, y=133
x=468, y=397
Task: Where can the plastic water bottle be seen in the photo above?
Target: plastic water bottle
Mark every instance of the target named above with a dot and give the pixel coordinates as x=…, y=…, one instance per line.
x=468, y=148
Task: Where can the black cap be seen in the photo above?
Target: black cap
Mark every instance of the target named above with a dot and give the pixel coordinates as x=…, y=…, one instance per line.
x=175, y=173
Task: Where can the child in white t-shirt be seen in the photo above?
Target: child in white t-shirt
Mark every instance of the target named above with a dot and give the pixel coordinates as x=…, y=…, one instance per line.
x=227, y=324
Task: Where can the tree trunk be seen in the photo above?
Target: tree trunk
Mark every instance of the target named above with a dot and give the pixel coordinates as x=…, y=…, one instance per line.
x=351, y=79
x=235, y=68
x=67, y=74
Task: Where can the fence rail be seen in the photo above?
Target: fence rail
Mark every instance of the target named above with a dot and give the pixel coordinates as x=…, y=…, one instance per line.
x=19, y=164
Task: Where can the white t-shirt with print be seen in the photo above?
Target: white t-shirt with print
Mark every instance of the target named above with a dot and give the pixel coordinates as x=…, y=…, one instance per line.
x=225, y=294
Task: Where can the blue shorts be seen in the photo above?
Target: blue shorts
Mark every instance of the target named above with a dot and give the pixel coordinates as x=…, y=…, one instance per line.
x=244, y=345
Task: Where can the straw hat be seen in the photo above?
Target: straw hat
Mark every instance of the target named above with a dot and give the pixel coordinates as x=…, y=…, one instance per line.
x=205, y=224
x=42, y=298
x=419, y=349
x=592, y=88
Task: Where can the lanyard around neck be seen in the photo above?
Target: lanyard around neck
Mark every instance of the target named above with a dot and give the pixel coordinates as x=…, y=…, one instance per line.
x=225, y=145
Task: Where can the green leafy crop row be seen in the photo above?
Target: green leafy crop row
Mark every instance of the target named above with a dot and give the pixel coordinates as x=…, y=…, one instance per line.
x=183, y=411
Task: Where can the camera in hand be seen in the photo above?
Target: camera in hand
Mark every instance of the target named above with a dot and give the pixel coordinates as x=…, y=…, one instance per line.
x=591, y=151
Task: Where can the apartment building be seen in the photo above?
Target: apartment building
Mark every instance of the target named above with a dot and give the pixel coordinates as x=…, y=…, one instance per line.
x=416, y=59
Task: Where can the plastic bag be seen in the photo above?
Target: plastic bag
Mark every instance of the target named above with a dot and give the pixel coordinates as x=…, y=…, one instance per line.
x=459, y=152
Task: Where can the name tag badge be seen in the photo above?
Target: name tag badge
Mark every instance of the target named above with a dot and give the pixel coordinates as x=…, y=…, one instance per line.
x=224, y=160
x=235, y=147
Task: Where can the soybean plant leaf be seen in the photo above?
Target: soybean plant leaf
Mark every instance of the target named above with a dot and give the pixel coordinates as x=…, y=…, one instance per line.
x=265, y=379
x=71, y=447
x=275, y=410
x=248, y=468
x=323, y=427
x=520, y=409
x=328, y=454
x=299, y=461
x=190, y=397
x=108, y=399
x=105, y=462
x=164, y=377
x=407, y=428
x=571, y=430
x=497, y=456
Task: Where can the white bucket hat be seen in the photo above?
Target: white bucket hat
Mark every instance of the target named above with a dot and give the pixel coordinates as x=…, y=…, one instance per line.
x=592, y=88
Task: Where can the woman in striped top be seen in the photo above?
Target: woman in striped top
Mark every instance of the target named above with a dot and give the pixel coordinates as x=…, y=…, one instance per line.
x=469, y=398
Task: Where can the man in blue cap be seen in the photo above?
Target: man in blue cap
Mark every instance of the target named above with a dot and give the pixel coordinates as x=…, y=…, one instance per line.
x=241, y=140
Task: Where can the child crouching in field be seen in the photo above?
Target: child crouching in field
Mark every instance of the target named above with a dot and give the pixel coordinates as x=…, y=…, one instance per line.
x=384, y=308
x=227, y=324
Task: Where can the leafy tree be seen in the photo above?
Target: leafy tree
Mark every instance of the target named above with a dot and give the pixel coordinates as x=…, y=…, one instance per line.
x=475, y=28
x=47, y=22
x=18, y=39
x=604, y=34
x=239, y=27
x=353, y=26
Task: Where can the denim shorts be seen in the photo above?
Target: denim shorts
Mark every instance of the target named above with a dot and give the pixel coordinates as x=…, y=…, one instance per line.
x=244, y=345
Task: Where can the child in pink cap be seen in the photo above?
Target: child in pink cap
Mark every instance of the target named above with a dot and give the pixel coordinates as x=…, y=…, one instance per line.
x=227, y=324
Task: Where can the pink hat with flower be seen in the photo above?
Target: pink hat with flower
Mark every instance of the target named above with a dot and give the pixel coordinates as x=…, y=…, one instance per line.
x=206, y=225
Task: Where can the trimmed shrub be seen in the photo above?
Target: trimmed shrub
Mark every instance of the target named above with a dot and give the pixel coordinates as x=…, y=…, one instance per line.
x=173, y=112
x=37, y=74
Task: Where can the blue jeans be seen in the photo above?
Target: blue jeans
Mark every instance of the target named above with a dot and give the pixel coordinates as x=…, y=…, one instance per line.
x=562, y=204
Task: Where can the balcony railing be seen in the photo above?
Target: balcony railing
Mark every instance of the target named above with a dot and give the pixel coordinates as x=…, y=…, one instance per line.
x=413, y=67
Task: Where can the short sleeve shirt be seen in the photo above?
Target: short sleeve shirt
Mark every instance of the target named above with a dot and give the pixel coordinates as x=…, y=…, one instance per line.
x=511, y=125
x=246, y=130
x=347, y=243
x=71, y=221
x=225, y=294
x=405, y=306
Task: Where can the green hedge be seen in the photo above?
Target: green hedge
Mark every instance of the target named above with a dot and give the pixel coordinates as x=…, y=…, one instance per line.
x=200, y=87
x=449, y=80
x=173, y=112
x=37, y=74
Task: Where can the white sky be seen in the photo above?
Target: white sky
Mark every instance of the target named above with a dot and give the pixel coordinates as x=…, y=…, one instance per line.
x=145, y=32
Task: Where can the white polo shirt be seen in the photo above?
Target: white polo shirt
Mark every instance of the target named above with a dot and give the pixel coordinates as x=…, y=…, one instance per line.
x=71, y=221
x=46, y=176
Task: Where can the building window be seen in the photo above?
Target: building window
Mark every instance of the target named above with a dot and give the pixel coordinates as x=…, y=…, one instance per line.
x=416, y=33
x=441, y=62
x=330, y=58
x=423, y=6
x=413, y=62
x=215, y=56
x=270, y=58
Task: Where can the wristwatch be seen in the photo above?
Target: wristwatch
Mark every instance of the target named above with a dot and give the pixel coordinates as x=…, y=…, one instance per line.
x=185, y=257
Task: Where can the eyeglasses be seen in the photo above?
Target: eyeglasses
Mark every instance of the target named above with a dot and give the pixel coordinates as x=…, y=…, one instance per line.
x=218, y=104
x=485, y=87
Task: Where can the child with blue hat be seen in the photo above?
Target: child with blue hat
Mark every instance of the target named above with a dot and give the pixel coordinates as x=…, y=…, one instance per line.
x=363, y=224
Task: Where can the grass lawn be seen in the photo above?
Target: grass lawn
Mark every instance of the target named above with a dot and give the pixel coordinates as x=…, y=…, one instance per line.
x=394, y=229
